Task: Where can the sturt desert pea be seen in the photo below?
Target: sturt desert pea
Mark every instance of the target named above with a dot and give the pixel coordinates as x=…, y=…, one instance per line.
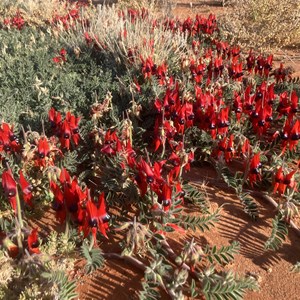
x=282, y=182
x=254, y=169
x=9, y=245
x=97, y=216
x=290, y=134
x=8, y=140
x=10, y=188
x=165, y=196
x=26, y=189
x=33, y=242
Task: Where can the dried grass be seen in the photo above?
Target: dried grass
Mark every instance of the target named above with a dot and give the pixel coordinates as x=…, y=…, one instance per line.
x=121, y=34
x=35, y=12
x=263, y=24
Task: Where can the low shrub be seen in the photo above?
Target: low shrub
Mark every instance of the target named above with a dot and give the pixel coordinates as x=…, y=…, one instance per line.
x=32, y=82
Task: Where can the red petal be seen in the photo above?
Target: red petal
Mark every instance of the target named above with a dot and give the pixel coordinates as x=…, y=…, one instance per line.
x=64, y=176
x=27, y=194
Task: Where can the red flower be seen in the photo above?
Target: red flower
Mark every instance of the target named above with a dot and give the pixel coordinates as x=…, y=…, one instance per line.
x=209, y=121
x=58, y=202
x=67, y=130
x=223, y=122
x=130, y=155
x=294, y=135
x=8, y=140
x=112, y=144
x=57, y=59
x=222, y=47
x=26, y=189
x=189, y=114
x=74, y=14
x=137, y=86
x=61, y=57
x=279, y=177
x=218, y=66
x=12, y=249
x=142, y=183
x=144, y=177
x=197, y=71
x=10, y=188
x=175, y=160
x=165, y=196
x=282, y=181
x=264, y=66
x=280, y=73
x=254, y=170
x=87, y=37
x=68, y=198
x=250, y=61
x=290, y=134
x=236, y=70
x=225, y=146
x=158, y=170
x=63, y=54
x=97, y=216
x=55, y=118
x=245, y=148
x=64, y=176
x=237, y=106
x=43, y=151
x=18, y=21
x=148, y=67
x=295, y=107
x=284, y=104
x=6, y=22
x=74, y=126
x=33, y=243
x=65, y=135
x=146, y=169
x=261, y=117
x=161, y=73
x=268, y=65
x=235, y=52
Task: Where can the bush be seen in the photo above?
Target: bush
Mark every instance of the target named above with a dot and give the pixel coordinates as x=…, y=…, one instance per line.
x=31, y=82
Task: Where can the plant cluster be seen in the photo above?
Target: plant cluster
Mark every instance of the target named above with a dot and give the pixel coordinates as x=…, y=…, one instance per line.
x=132, y=101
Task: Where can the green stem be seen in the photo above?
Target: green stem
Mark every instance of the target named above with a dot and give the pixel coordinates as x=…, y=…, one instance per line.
x=163, y=149
x=180, y=172
x=20, y=240
x=19, y=211
x=20, y=224
x=163, y=138
x=92, y=243
x=67, y=230
x=152, y=196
